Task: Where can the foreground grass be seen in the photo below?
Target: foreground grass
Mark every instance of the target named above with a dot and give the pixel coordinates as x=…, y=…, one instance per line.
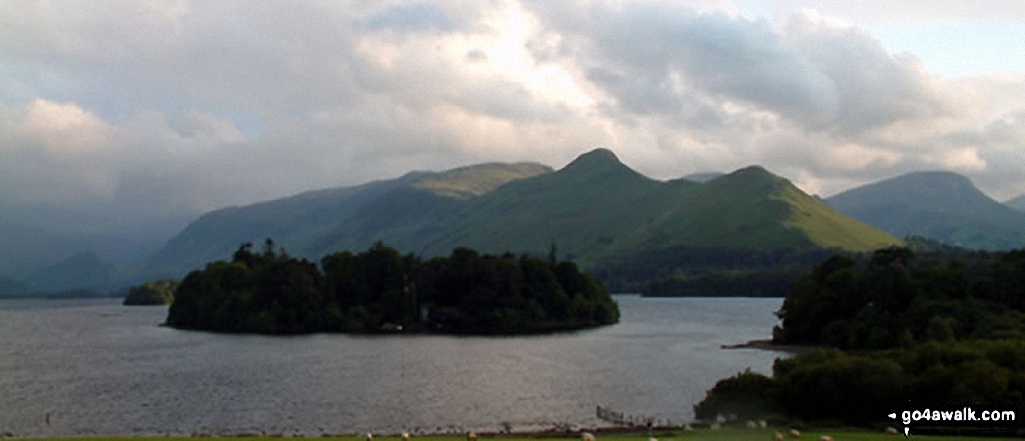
x=731, y=434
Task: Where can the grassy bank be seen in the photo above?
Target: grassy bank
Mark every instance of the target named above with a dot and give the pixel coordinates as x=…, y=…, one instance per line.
x=731, y=434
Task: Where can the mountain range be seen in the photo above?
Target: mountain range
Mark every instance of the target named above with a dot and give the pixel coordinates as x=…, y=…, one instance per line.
x=595, y=210
x=937, y=205
x=592, y=210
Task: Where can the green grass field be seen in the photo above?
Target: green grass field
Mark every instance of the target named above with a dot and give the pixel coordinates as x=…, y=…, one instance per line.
x=731, y=434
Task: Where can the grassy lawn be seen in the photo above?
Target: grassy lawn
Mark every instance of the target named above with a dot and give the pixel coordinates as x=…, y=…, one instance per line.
x=698, y=435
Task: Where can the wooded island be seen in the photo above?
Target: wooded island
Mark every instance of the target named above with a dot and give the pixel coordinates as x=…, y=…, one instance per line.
x=381, y=290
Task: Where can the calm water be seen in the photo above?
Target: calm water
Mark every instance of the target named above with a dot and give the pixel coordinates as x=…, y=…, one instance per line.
x=102, y=368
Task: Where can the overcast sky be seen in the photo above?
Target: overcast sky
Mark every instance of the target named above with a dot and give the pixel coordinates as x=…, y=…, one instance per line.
x=169, y=106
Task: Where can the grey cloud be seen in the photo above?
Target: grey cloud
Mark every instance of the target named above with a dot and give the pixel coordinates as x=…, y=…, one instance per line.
x=638, y=95
x=222, y=103
x=414, y=17
x=874, y=88
x=712, y=53
x=476, y=56
x=177, y=87
x=823, y=76
x=506, y=100
x=1001, y=146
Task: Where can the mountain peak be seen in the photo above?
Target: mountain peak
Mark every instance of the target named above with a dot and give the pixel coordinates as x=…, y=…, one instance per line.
x=937, y=176
x=595, y=157
x=599, y=164
x=751, y=177
x=752, y=170
x=941, y=191
x=939, y=205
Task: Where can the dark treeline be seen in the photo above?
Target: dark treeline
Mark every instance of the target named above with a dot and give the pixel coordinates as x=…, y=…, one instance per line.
x=769, y=282
x=710, y=271
x=382, y=290
x=833, y=386
x=732, y=272
x=160, y=292
x=898, y=298
x=938, y=329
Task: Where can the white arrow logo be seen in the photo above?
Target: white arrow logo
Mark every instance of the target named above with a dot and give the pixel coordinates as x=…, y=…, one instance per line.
x=893, y=415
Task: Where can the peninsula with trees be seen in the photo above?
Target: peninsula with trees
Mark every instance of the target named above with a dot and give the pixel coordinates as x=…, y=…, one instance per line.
x=381, y=290
x=941, y=329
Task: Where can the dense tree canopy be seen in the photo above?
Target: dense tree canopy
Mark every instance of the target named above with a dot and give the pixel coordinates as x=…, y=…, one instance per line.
x=160, y=292
x=862, y=388
x=382, y=290
x=897, y=298
x=939, y=329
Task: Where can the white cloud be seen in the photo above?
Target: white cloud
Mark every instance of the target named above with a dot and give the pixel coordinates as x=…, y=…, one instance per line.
x=62, y=128
x=963, y=160
x=184, y=105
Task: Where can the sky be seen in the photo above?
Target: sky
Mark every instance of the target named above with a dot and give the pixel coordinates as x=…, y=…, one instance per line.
x=141, y=109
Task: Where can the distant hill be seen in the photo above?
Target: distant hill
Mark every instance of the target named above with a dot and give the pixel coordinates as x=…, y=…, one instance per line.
x=26, y=246
x=594, y=209
x=702, y=177
x=13, y=288
x=33, y=236
x=79, y=271
x=1017, y=203
x=937, y=205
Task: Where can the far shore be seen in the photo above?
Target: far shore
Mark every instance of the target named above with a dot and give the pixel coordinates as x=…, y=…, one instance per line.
x=767, y=345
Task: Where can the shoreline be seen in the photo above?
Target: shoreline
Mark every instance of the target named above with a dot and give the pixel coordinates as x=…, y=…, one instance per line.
x=767, y=345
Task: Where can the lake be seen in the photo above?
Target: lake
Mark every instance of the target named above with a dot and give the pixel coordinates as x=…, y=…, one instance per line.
x=100, y=368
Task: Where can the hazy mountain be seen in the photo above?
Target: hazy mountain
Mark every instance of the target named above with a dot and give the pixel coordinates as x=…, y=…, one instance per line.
x=80, y=270
x=592, y=209
x=702, y=177
x=33, y=236
x=1017, y=203
x=938, y=205
x=13, y=288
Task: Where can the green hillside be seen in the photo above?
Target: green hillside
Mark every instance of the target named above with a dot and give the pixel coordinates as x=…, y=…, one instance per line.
x=476, y=180
x=595, y=209
x=313, y=223
x=752, y=208
x=591, y=208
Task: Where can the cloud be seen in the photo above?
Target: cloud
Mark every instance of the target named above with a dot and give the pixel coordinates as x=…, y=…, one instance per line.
x=815, y=72
x=63, y=128
x=414, y=17
x=53, y=151
x=186, y=106
x=873, y=88
x=476, y=56
x=808, y=96
x=908, y=12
